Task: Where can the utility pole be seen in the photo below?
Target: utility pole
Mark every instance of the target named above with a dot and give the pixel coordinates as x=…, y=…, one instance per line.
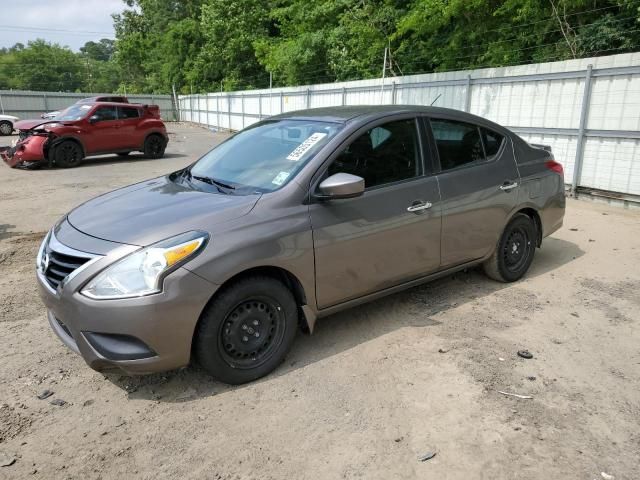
x=384, y=71
x=175, y=101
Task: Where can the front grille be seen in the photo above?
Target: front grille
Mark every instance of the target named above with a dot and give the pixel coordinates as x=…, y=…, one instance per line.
x=60, y=266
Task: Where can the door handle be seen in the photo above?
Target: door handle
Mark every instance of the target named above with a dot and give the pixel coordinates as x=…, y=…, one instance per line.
x=508, y=186
x=419, y=206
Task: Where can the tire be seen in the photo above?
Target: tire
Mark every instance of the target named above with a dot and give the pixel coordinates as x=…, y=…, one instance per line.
x=123, y=154
x=247, y=330
x=514, y=252
x=67, y=154
x=6, y=128
x=154, y=146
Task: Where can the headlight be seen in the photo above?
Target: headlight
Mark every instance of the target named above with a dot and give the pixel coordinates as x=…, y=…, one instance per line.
x=141, y=273
x=40, y=263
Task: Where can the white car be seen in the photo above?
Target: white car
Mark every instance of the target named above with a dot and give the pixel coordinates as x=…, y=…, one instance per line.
x=50, y=115
x=6, y=124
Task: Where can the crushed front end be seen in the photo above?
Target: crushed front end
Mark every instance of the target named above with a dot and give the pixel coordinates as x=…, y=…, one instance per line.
x=29, y=151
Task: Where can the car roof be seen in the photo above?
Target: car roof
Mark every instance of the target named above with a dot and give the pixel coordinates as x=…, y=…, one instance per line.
x=114, y=104
x=365, y=113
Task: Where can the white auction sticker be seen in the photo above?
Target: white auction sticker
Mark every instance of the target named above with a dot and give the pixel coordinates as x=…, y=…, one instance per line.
x=305, y=146
x=280, y=178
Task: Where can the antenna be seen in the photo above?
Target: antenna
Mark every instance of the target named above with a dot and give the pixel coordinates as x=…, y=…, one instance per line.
x=436, y=99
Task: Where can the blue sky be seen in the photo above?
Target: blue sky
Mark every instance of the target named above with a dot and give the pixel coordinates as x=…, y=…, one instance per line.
x=26, y=20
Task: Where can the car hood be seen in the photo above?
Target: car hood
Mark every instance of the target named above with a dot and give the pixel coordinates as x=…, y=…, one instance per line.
x=156, y=209
x=46, y=124
x=8, y=117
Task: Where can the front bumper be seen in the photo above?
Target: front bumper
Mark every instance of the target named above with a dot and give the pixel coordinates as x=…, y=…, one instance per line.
x=25, y=152
x=134, y=335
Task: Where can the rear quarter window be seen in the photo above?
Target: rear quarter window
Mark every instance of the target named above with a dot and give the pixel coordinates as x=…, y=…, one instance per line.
x=492, y=142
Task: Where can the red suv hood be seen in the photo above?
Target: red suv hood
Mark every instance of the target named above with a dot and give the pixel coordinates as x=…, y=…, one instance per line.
x=29, y=124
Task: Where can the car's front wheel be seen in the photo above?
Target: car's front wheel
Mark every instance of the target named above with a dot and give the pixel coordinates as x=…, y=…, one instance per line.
x=67, y=154
x=247, y=330
x=514, y=252
x=6, y=128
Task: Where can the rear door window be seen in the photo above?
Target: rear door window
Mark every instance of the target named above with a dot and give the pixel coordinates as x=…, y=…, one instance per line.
x=126, y=113
x=458, y=143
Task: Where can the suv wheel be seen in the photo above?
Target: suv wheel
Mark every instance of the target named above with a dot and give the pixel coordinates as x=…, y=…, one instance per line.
x=154, y=146
x=67, y=154
x=6, y=128
x=514, y=253
x=247, y=330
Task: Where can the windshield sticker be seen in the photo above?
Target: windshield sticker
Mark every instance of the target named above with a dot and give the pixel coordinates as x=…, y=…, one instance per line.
x=305, y=146
x=280, y=178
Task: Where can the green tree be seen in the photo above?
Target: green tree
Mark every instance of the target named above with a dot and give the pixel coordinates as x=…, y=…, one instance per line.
x=101, y=50
x=42, y=66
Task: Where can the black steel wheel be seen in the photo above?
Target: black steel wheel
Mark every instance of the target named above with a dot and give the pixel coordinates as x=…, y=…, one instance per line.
x=515, y=250
x=246, y=330
x=154, y=146
x=67, y=154
x=251, y=332
x=6, y=127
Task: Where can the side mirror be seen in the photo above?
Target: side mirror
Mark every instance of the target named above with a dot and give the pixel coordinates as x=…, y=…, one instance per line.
x=94, y=118
x=340, y=185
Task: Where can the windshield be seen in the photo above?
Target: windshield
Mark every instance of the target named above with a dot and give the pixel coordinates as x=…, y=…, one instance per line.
x=264, y=157
x=73, y=113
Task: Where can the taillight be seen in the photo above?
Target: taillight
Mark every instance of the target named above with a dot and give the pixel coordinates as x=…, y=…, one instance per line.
x=554, y=167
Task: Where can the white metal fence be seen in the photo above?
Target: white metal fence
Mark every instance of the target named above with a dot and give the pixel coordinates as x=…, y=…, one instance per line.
x=28, y=104
x=588, y=110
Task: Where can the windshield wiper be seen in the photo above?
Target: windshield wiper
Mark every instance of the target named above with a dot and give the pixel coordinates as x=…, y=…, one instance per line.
x=212, y=181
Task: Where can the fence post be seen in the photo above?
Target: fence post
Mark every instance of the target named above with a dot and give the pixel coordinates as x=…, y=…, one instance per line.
x=344, y=95
x=308, y=98
x=1, y=104
x=467, y=102
x=281, y=103
x=242, y=101
x=259, y=106
x=229, y=109
x=208, y=109
x=584, y=118
x=218, y=112
x=46, y=103
x=393, y=93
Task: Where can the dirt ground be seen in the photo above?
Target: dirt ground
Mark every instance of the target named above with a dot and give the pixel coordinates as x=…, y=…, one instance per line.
x=372, y=390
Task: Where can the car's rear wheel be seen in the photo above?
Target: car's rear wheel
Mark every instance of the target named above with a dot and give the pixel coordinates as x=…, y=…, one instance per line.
x=6, y=128
x=515, y=250
x=67, y=154
x=154, y=146
x=247, y=330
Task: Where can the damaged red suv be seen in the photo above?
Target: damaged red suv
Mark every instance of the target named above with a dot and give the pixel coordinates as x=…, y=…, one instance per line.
x=85, y=130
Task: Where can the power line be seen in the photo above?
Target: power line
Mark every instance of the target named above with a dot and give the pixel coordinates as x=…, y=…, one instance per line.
x=21, y=28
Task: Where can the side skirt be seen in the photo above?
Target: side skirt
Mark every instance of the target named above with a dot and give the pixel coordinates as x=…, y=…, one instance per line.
x=398, y=288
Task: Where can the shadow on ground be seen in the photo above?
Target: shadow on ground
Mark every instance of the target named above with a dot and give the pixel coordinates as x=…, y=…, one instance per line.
x=348, y=329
